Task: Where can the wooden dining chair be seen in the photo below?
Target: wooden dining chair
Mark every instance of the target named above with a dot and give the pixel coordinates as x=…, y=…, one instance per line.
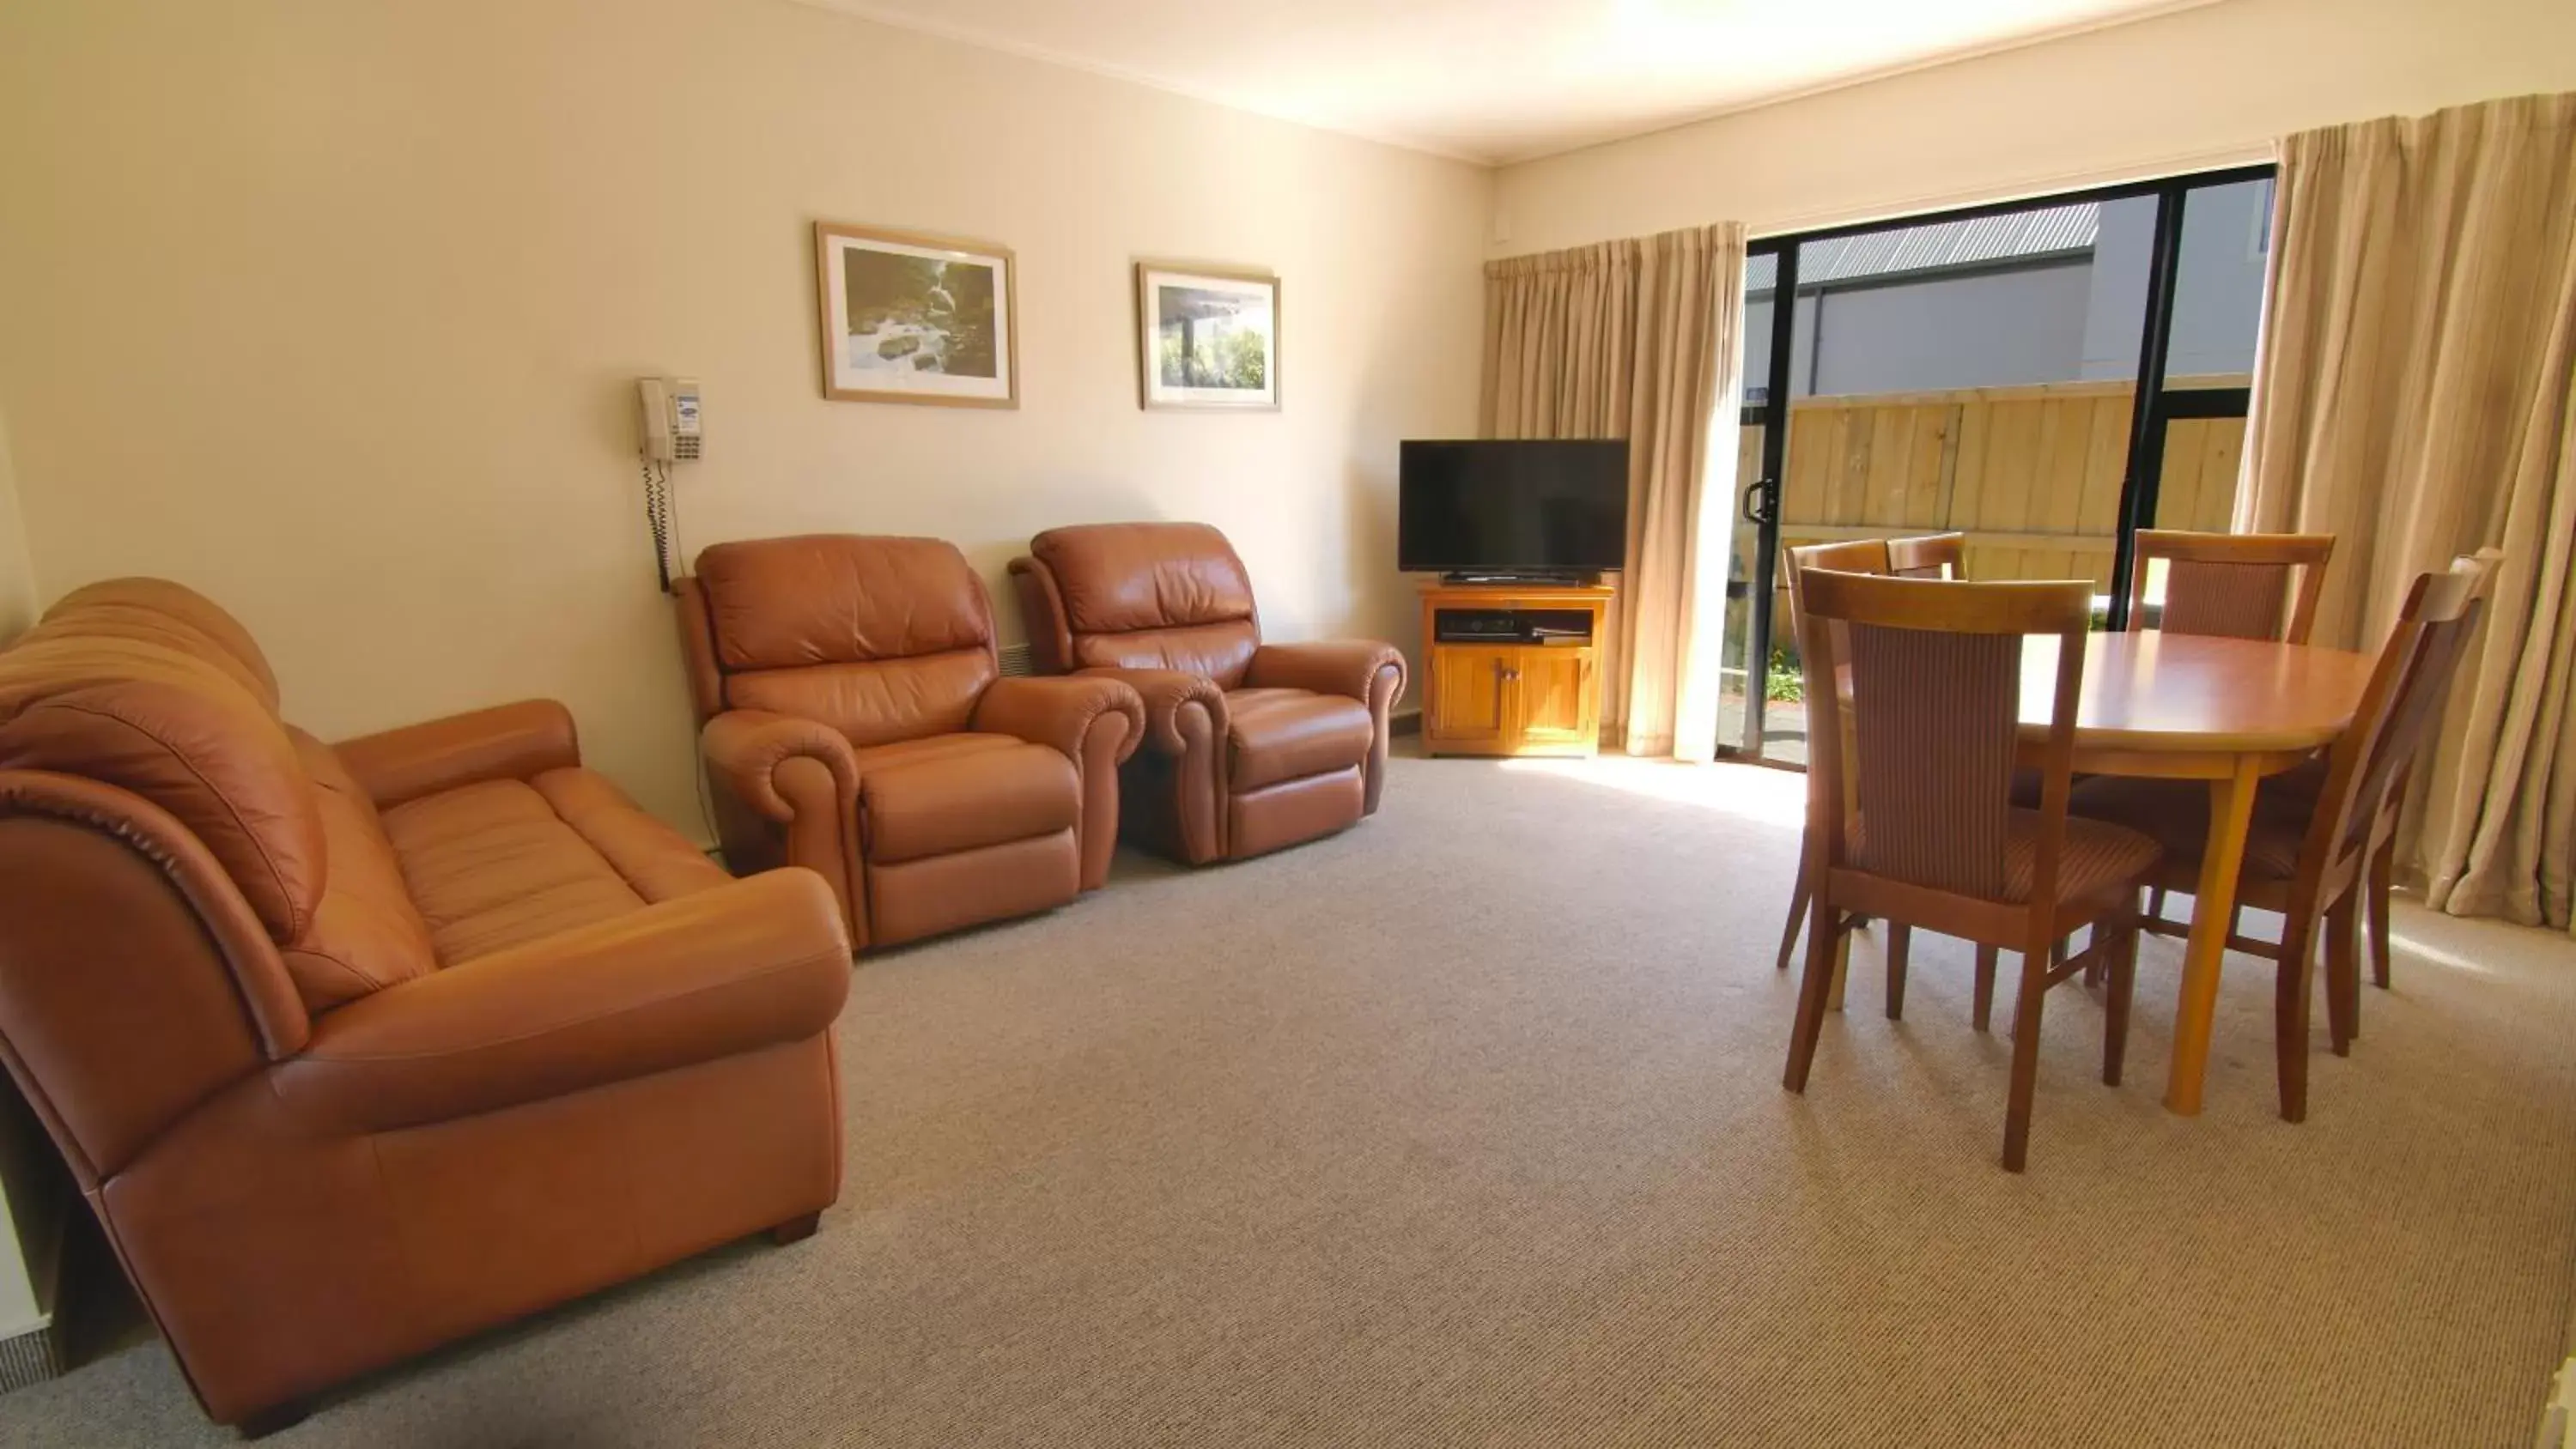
x=2236, y=585
x=2308, y=856
x=1852, y=556
x=1928, y=556
x=2232, y=585
x=2308, y=783
x=1935, y=679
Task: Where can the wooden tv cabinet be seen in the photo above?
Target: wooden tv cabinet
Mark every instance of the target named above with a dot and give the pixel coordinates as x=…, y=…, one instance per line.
x=1515, y=669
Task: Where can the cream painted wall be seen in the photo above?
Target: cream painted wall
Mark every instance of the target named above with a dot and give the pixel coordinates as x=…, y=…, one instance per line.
x=17, y=571
x=332, y=311
x=2203, y=87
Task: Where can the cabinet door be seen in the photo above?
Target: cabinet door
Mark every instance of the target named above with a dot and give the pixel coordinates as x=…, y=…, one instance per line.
x=1468, y=705
x=1559, y=708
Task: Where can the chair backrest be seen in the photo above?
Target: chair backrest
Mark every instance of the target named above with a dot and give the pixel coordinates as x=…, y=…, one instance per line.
x=1850, y=556
x=1935, y=683
x=2398, y=711
x=1928, y=556
x=1139, y=596
x=882, y=639
x=2233, y=585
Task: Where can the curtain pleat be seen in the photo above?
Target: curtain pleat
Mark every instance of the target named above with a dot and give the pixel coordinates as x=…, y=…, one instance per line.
x=2416, y=397
x=1641, y=340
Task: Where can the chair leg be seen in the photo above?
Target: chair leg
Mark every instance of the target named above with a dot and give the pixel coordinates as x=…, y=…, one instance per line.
x=2025, y=1061
x=1899, y=939
x=1985, y=987
x=2115, y=1012
x=1797, y=917
x=2343, y=971
x=1813, y=985
x=2290, y=1015
x=2156, y=902
x=2383, y=881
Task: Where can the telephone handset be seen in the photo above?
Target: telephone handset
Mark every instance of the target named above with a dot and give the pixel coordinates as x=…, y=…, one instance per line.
x=672, y=433
x=671, y=430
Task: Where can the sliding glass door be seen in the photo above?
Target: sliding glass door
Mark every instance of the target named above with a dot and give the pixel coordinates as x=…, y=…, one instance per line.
x=2045, y=377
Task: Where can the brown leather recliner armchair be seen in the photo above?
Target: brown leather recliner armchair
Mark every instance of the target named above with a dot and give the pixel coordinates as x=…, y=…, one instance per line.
x=355, y=1050
x=1249, y=746
x=854, y=718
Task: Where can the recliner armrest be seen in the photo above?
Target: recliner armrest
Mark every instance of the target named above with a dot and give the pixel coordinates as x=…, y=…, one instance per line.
x=1166, y=693
x=1060, y=712
x=1347, y=667
x=752, y=964
x=505, y=742
x=746, y=748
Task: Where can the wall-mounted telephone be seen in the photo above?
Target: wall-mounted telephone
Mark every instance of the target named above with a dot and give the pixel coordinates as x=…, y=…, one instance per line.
x=672, y=433
x=671, y=429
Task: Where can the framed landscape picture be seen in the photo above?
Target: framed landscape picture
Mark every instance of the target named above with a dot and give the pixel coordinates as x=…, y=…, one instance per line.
x=1207, y=339
x=916, y=319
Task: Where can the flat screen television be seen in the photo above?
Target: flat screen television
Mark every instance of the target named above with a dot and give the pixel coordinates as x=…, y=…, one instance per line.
x=1512, y=508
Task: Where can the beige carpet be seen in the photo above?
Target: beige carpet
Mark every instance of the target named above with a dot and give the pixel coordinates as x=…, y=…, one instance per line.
x=1466, y=1128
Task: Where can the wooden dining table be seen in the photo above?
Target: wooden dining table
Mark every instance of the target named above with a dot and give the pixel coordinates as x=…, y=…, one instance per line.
x=2188, y=707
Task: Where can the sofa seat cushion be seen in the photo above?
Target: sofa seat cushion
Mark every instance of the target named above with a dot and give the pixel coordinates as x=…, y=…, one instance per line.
x=1288, y=734
x=947, y=793
x=498, y=864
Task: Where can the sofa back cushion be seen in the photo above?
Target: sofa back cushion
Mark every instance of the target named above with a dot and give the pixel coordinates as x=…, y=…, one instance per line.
x=881, y=638
x=161, y=612
x=147, y=686
x=1153, y=596
x=158, y=719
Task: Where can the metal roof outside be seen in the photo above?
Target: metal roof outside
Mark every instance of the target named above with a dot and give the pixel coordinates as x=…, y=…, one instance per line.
x=1940, y=246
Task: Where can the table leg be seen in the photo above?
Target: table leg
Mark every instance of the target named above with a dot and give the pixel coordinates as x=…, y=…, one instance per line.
x=2213, y=908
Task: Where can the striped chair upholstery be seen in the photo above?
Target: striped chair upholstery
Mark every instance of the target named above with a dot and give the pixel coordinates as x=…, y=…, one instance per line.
x=2233, y=585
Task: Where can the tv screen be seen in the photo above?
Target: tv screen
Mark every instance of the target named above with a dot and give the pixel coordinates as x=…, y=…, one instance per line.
x=1512, y=507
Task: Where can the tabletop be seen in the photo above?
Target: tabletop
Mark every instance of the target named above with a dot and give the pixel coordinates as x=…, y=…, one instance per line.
x=2156, y=691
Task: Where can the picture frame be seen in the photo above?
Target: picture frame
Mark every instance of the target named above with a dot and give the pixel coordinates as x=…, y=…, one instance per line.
x=1207, y=339
x=909, y=317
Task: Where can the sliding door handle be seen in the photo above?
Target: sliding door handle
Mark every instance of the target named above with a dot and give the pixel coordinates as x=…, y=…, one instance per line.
x=1762, y=502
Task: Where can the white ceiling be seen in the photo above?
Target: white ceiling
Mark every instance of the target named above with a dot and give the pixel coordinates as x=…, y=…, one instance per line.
x=1499, y=80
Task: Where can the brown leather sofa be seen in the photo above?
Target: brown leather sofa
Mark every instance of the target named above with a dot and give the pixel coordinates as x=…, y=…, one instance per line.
x=357, y=1049
x=853, y=718
x=1249, y=746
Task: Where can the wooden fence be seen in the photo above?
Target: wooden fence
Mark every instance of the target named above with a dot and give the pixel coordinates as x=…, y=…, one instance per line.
x=2030, y=474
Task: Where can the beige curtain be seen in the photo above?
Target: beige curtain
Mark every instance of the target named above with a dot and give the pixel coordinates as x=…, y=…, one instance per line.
x=2414, y=399
x=1642, y=340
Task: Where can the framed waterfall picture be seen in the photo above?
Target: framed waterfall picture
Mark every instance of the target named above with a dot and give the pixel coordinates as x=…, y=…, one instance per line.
x=1207, y=339
x=916, y=319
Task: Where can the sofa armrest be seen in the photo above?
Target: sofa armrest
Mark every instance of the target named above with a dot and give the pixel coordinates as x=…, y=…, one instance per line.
x=1061, y=712
x=1347, y=667
x=751, y=964
x=1166, y=693
x=746, y=749
x=505, y=742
